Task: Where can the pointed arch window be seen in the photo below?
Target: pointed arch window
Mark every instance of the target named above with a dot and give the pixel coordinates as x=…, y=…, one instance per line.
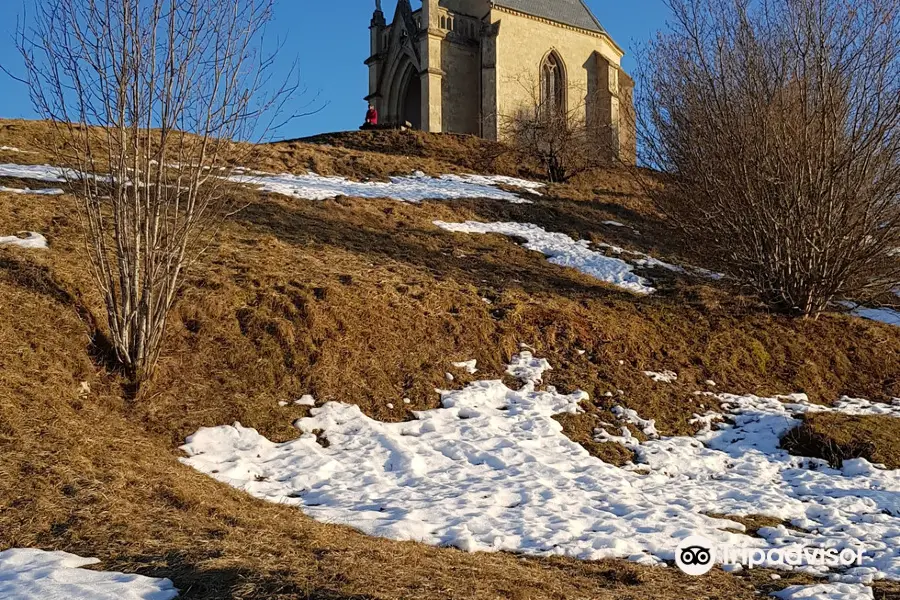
x=553, y=84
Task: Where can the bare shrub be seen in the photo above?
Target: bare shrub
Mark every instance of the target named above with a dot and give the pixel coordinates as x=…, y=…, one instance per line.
x=169, y=85
x=565, y=139
x=779, y=123
x=558, y=141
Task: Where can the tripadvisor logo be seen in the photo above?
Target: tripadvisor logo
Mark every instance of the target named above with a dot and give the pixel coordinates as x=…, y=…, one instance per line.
x=696, y=555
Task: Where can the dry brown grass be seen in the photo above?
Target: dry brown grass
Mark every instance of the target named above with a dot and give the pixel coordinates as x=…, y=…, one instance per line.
x=363, y=155
x=752, y=523
x=363, y=302
x=837, y=437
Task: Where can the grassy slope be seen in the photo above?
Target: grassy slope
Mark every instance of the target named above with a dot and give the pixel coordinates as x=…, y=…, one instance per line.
x=363, y=302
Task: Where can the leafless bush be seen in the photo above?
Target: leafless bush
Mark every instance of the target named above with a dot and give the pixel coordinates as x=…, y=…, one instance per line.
x=565, y=140
x=170, y=84
x=779, y=123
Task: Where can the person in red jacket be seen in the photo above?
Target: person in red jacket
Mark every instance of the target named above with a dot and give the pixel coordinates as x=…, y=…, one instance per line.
x=371, y=116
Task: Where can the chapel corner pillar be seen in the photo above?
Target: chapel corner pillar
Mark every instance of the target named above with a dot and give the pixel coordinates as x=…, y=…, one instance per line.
x=627, y=120
x=607, y=109
x=490, y=106
x=375, y=62
x=433, y=100
x=615, y=109
x=432, y=73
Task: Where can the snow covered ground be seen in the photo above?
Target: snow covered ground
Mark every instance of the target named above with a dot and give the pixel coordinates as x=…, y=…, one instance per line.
x=34, y=240
x=27, y=574
x=645, y=260
x=31, y=192
x=826, y=591
x=412, y=188
x=662, y=377
x=492, y=470
x=884, y=315
x=564, y=251
x=36, y=172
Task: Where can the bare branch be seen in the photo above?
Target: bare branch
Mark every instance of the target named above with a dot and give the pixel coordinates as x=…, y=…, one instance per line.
x=150, y=97
x=778, y=122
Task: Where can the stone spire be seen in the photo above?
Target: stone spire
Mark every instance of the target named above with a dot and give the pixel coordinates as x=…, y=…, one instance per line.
x=378, y=16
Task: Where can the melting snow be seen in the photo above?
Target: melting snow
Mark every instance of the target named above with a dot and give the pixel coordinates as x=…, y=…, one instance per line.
x=413, y=188
x=27, y=574
x=647, y=261
x=34, y=240
x=884, y=315
x=468, y=365
x=37, y=172
x=305, y=400
x=492, y=180
x=664, y=377
x=825, y=591
x=12, y=149
x=891, y=316
x=647, y=426
x=492, y=470
x=564, y=251
x=29, y=191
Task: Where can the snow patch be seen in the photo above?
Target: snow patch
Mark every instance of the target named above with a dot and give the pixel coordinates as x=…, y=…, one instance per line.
x=31, y=192
x=36, y=172
x=28, y=574
x=647, y=426
x=412, y=188
x=564, y=251
x=528, y=369
x=493, y=180
x=468, y=365
x=883, y=315
x=706, y=420
x=663, y=377
x=649, y=262
x=13, y=149
x=826, y=591
x=492, y=470
x=305, y=400
x=34, y=240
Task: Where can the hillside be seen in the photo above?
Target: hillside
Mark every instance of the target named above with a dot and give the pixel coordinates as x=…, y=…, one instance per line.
x=367, y=302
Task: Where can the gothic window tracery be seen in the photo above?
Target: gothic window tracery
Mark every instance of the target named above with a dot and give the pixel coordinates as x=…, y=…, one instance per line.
x=553, y=84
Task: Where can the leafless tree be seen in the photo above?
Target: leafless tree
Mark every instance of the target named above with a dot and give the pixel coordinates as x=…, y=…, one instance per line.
x=148, y=98
x=778, y=122
x=565, y=138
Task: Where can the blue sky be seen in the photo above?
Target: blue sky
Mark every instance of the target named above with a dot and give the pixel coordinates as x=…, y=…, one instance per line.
x=330, y=40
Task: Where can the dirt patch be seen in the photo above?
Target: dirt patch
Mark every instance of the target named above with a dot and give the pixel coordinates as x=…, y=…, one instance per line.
x=837, y=437
x=769, y=581
x=580, y=428
x=465, y=151
x=886, y=590
x=752, y=523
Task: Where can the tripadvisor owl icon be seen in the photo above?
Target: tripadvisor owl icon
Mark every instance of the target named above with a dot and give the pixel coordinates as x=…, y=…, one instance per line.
x=695, y=555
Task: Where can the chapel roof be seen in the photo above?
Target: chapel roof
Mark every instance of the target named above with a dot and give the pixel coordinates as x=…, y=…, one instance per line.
x=568, y=12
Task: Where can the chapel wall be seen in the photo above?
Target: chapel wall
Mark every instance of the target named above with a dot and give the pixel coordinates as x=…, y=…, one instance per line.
x=522, y=45
x=474, y=8
x=461, y=63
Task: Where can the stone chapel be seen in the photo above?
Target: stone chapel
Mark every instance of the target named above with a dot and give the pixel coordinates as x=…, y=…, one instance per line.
x=463, y=66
